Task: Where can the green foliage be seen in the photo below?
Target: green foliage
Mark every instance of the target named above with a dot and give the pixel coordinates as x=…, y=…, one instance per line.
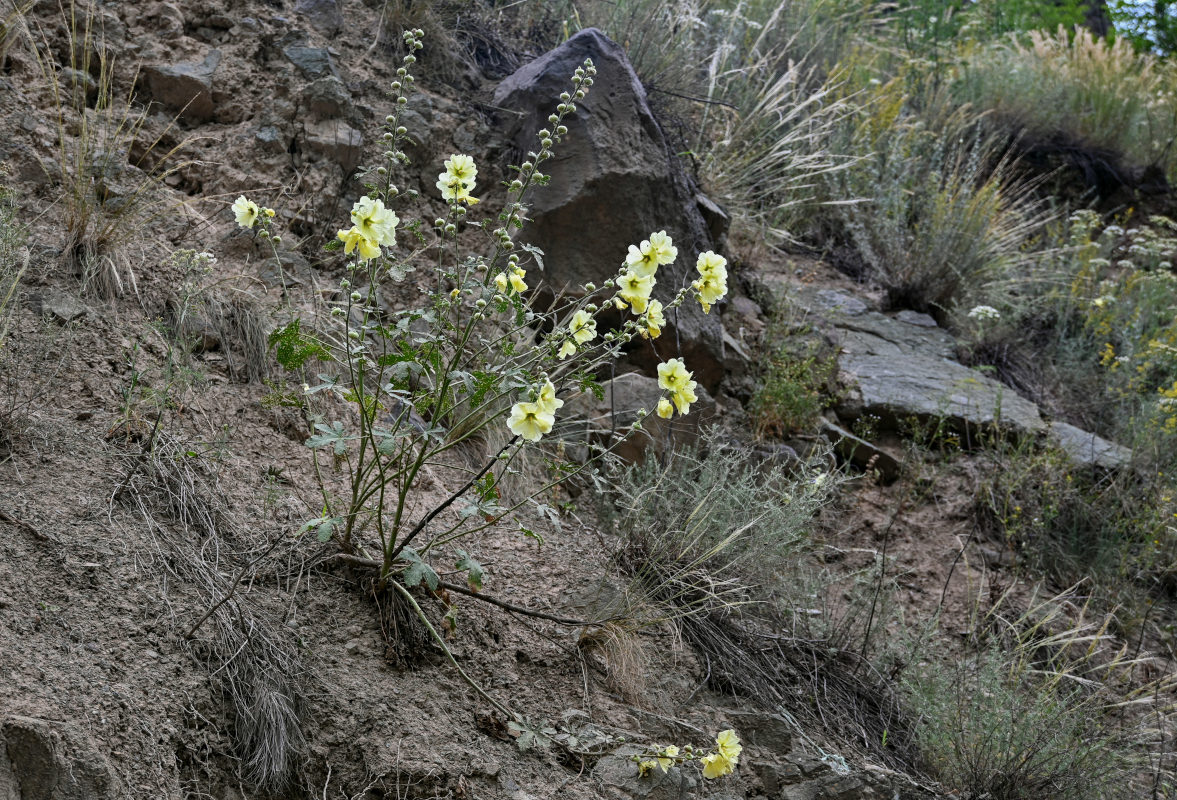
x=1079, y=91
x=990, y=729
x=707, y=512
x=933, y=207
x=796, y=383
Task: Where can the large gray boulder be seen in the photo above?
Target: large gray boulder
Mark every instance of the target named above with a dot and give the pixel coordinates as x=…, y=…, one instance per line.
x=614, y=181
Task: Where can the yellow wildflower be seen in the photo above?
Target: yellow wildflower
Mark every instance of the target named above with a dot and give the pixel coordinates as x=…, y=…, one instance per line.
x=667, y=756
x=673, y=375
x=530, y=420
x=729, y=745
x=583, y=327
x=353, y=238
x=566, y=349
x=645, y=766
x=547, y=399
x=665, y=409
x=716, y=766
x=457, y=181
x=635, y=290
x=516, y=279
x=712, y=284
x=654, y=321
x=683, y=398
x=245, y=211
x=374, y=221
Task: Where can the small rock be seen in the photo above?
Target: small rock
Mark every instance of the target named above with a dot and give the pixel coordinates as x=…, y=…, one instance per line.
x=61, y=307
x=186, y=87
x=324, y=15
x=270, y=140
x=916, y=318
x=718, y=222
x=623, y=397
x=312, y=62
x=831, y=300
x=335, y=140
x=861, y=453
x=327, y=98
x=291, y=270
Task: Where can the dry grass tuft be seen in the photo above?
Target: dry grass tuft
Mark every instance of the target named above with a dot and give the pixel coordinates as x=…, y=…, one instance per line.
x=175, y=495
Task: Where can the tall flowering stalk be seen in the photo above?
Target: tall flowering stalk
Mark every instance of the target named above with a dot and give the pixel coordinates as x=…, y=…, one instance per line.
x=467, y=362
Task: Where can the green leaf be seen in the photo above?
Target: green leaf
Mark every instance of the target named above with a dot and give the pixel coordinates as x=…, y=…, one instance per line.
x=417, y=571
x=473, y=568
x=293, y=349
x=324, y=527
x=333, y=435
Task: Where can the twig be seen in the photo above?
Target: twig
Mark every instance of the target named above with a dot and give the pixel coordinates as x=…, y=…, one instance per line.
x=372, y=563
x=5, y=516
x=703, y=100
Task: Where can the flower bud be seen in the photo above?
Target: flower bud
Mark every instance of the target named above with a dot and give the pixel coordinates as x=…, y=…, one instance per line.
x=455, y=293
x=410, y=59
x=353, y=335
x=552, y=118
x=580, y=94
x=402, y=101
x=545, y=133
x=609, y=284
x=546, y=142
x=345, y=284
x=588, y=81
x=381, y=171
x=480, y=303
x=401, y=130
x=527, y=166
x=516, y=185
x=439, y=223
x=402, y=72
x=561, y=130
x=451, y=228
x=356, y=297
x=591, y=308
x=564, y=96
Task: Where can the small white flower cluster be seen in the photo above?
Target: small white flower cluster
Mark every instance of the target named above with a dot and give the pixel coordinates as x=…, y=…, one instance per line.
x=984, y=313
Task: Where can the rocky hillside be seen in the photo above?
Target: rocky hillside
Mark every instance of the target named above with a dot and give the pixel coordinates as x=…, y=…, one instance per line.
x=803, y=559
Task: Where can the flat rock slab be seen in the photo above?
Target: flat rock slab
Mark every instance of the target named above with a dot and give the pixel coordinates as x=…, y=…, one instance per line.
x=1088, y=450
x=903, y=367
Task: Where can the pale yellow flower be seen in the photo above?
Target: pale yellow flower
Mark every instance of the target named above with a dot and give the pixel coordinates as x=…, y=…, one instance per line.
x=665, y=409
x=645, y=766
x=654, y=321
x=729, y=745
x=664, y=250
x=516, y=279
x=666, y=757
x=457, y=181
x=683, y=398
x=501, y=282
x=712, y=284
x=375, y=221
x=635, y=290
x=673, y=375
x=547, y=399
x=354, y=239
x=716, y=766
x=245, y=212
x=530, y=420
x=566, y=349
x=582, y=327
